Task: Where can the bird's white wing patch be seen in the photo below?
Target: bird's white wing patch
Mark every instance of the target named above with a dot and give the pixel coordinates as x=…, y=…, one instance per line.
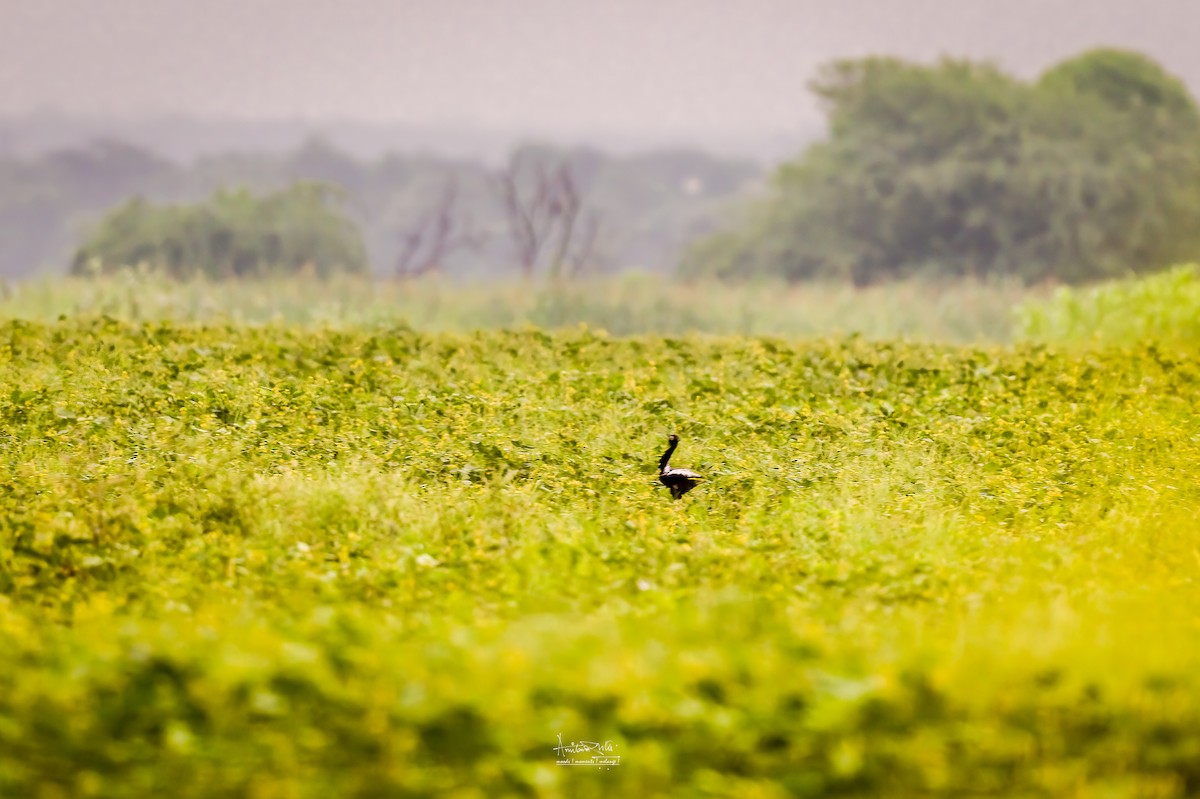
x=685, y=473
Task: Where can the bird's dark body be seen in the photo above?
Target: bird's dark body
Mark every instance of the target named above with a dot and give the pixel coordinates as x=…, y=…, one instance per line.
x=679, y=481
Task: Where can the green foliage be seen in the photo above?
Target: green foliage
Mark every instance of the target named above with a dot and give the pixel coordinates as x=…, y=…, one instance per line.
x=957, y=169
x=1162, y=307
x=1126, y=81
x=282, y=561
x=235, y=234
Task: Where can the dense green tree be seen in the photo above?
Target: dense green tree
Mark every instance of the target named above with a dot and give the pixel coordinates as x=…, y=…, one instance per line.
x=1126, y=81
x=234, y=234
x=956, y=168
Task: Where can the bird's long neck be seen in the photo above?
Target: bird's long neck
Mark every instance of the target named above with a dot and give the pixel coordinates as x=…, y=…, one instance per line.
x=666, y=457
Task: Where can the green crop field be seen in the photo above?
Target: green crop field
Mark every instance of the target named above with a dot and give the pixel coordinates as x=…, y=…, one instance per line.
x=296, y=560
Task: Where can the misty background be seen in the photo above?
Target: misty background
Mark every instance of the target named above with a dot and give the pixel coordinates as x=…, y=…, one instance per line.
x=670, y=113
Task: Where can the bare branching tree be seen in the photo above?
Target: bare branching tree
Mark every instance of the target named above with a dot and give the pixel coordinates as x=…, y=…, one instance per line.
x=542, y=211
x=585, y=253
x=435, y=234
x=566, y=210
x=529, y=217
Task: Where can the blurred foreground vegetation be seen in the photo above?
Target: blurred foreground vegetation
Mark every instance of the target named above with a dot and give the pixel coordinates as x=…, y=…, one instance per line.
x=630, y=304
x=1164, y=306
x=274, y=561
x=1161, y=307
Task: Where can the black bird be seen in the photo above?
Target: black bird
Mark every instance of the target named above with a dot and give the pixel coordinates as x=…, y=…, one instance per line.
x=680, y=481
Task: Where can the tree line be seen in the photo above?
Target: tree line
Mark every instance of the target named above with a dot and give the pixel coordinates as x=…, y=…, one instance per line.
x=958, y=169
x=545, y=210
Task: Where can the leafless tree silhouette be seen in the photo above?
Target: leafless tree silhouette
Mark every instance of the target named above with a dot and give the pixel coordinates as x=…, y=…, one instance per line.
x=546, y=216
x=435, y=234
x=585, y=255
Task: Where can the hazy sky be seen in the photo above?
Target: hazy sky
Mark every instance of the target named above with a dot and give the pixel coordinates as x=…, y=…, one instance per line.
x=660, y=66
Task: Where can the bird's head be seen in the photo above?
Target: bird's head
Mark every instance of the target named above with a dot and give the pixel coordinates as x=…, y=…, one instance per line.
x=673, y=439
